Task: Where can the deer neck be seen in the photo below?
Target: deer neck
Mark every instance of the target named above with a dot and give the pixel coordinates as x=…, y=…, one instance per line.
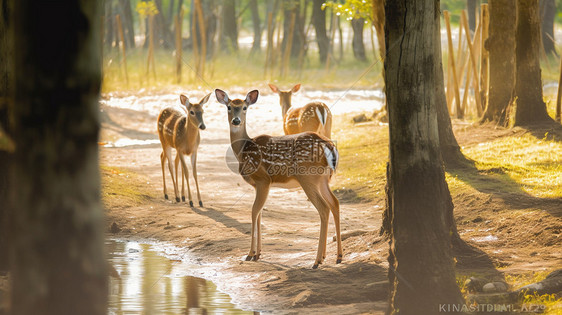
x=237, y=135
x=192, y=130
x=285, y=105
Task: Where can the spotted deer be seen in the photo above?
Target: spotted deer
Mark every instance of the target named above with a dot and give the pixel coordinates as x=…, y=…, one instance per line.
x=306, y=159
x=315, y=116
x=181, y=132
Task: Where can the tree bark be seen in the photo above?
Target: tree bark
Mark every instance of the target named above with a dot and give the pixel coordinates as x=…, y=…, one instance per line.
x=256, y=22
x=548, y=13
x=319, y=22
x=357, y=43
x=229, y=30
x=421, y=270
x=501, y=45
x=128, y=26
x=57, y=240
x=530, y=107
x=109, y=19
x=163, y=35
x=378, y=22
x=6, y=94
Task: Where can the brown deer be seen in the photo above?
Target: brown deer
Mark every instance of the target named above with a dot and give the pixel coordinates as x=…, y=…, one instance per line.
x=315, y=116
x=306, y=159
x=181, y=132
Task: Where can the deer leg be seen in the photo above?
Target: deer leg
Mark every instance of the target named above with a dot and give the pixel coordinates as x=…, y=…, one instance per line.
x=194, y=169
x=186, y=175
x=163, y=162
x=335, y=208
x=261, y=196
x=168, y=154
x=178, y=170
x=313, y=193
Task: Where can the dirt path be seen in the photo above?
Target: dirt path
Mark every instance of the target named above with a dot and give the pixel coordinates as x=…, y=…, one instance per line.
x=216, y=236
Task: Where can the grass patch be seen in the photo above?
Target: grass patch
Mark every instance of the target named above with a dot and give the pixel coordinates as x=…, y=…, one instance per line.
x=123, y=188
x=233, y=70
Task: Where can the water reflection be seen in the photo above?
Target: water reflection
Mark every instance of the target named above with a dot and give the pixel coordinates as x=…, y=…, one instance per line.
x=148, y=283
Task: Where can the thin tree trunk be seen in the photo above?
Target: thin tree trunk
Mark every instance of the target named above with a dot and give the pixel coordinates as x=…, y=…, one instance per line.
x=530, y=107
x=229, y=30
x=297, y=42
x=319, y=22
x=358, y=46
x=501, y=45
x=58, y=264
x=163, y=35
x=378, y=22
x=128, y=27
x=256, y=22
x=109, y=29
x=471, y=7
x=421, y=272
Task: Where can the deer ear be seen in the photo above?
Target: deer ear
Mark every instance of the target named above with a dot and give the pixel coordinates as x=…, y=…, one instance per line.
x=252, y=97
x=222, y=97
x=273, y=88
x=184, y=100
x=205, y=99
x=296, y=88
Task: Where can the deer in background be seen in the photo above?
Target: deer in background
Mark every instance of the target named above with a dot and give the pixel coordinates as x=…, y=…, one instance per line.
x=306, y=159
x=315, y=116
x=181, y=132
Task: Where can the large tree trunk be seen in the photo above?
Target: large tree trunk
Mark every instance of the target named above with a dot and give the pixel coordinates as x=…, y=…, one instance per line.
x=357, y=43
x=229, y=30
x=548, y=13
x=58, y=264
x=530, y=107
x=6, y=94
x=163, y=35
x=501, y=45
x=319, y=22
x=421, y=270
x=128, y=26
x=256, y=45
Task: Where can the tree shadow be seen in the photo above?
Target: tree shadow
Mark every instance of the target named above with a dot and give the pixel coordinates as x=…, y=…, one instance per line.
x=119, y=127
x=550, y=130
x=496, y=182
x=220, y=217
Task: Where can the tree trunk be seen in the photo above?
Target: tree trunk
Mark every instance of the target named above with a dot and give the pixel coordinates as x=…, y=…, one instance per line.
x=128, y=26
x=109, y=19
x=421, y=270
x=357, y=43
x=290, y=8
x=378, y=22
x=256, y=45
x=6, y=94
x=548, y=13
x=530, y=108
x=501, y=45
x=229, y=30
x=163, y=35
x=319, y=22
x=57, y=240
x=472, y=6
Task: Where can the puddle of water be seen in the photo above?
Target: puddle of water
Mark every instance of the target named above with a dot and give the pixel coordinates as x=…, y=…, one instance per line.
x=150, y=283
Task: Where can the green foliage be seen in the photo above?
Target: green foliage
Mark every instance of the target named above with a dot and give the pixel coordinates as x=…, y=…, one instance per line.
x=352, y=9
x=147, y=8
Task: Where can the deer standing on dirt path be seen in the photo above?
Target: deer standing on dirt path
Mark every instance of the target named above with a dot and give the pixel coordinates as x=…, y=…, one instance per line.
x=315, y=116
x=181, y=132
x=307, y=160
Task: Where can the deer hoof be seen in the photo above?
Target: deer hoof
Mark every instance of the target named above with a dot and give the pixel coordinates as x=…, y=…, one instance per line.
x=191, y=203
x=200, y=203
x=256, y=258
x=166, y=196
x=177, y=199
x=248, y=258
x=183, y=198
x=315, y=266
x=338, y=261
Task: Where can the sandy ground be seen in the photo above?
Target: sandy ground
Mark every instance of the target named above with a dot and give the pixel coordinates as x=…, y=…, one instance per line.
x=216, y=236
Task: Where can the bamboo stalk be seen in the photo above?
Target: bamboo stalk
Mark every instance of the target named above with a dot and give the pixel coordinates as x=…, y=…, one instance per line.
x=484, y=62
x=559, y=95
x=473, y=63
x=122, y=39
x=451, y=52
x=460, y=56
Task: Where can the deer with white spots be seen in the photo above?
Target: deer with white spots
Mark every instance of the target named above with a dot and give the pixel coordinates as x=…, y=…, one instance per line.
x=315, y=116
x=181, y=132
x=306, y=159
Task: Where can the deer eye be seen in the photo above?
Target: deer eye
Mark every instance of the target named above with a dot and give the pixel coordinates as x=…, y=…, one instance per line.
x=229, y=108
x=192, y=112
x=244, y=108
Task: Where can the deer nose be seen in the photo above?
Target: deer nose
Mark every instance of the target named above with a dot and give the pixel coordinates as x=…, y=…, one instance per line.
x=236, y=121
x=202, y=126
